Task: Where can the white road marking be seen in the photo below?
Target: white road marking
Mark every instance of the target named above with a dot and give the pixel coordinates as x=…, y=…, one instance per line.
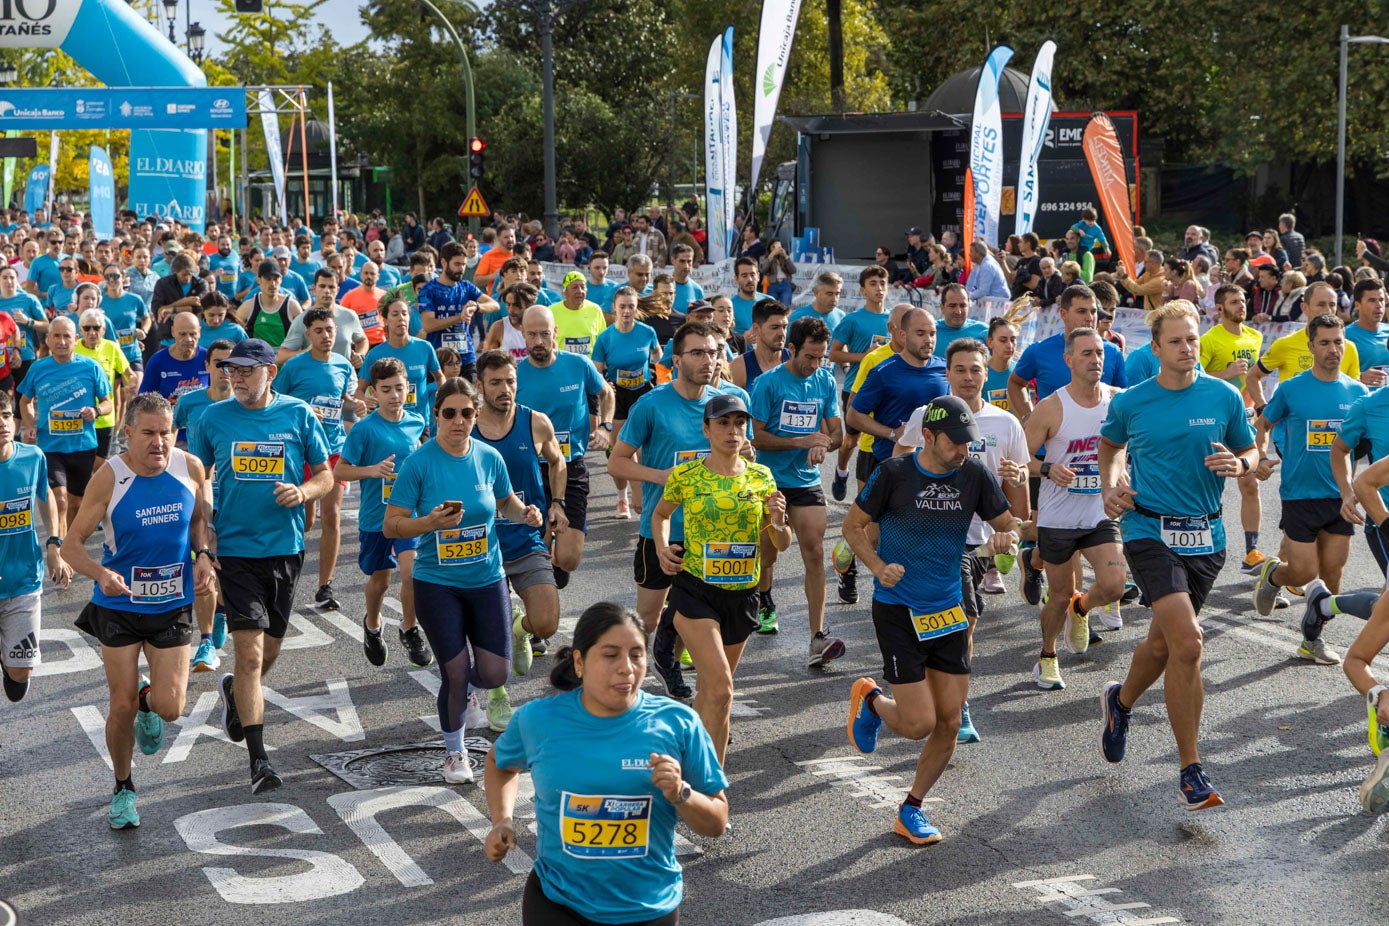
x=311, y=708
x=881, y=789
x=84, y=657
x=1089, y=903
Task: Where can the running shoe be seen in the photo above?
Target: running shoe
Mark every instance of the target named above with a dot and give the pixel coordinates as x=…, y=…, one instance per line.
x=863, y=724
x=911, y=822
x=766, y=617
x=1298, y=590
x=263, y=777
x=1265, y=592
x=231, y=721
x=1374, y=792
x=457, y=771
x=1076, y=637
x=848, y=586
x=674, y=680
x=1253, y=563
x=967, y=732
x=843, y=556
x=993, y=583
x=374, y=644
x=206, y=658
x=123, y=815
x=219, y=629
x=1031, y=578
x=520, y=643
x=416, y=648
x=561, y=579
x=686, y=660
x=324, y=599
x=149, y=726
x=1114, y=731
x=539, y=645
x=824, y=649
x=474, y=716
x=1317, y=651
x=1196, y=791
x=1281, y=602
x=498, y=709
x=14, y=691
x=624, y=509
x=1046, y=672
x=1131, y=593
x=1109, y=617
x=839, y=488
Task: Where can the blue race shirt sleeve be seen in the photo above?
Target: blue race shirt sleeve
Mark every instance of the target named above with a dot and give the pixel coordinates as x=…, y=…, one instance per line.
x=868, y=399
x=1353, y=425
x=593, y=382
x=1027, y=364
x=762, y=401
x=1277, y=408
x=1114, y=364
x=1116, y=424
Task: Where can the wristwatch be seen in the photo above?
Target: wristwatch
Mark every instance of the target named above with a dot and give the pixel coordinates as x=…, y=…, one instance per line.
x=54, y=542
x=1045, y=470
x=204, y=551
x=557, y=501
x=686, y=791
x=606, y=426
x=1372, y=696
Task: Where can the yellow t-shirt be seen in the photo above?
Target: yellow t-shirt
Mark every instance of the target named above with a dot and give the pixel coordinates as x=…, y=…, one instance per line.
x=723, y=521
x=113, y=363
x=1290, y=355
x=874, y=357
x=576, y=330
x=1220, y=348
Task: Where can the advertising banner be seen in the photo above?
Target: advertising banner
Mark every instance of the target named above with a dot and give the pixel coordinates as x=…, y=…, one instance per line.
x=1036, y=119
x=1106, y=160
x=986, y=148
x=123, y=107
x=773, y=53
x=101, y=187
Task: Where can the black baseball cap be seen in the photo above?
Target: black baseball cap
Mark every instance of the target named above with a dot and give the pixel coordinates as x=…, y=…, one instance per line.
x=722, y=405
x=916, y=230
x=250, y=353
x=699, y=305
x=948, y=415
x=267, y=269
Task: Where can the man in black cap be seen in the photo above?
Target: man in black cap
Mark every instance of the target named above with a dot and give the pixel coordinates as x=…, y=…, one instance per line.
x=919, y=251
x=922, y=504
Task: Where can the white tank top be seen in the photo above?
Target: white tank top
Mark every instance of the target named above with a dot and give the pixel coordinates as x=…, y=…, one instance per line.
x=1076, y=444
x=513, y=340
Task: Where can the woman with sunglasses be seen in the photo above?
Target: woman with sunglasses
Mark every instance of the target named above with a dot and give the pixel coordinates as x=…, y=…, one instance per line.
x=93, y=344
x=449, y=493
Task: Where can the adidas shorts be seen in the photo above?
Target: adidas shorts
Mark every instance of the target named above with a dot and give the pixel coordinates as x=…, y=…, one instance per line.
x=19, y=631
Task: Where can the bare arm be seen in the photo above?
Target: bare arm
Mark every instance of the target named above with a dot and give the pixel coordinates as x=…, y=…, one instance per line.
x=623, y=464
x=1019, y=397
x=839, y=353
x=1342, y=470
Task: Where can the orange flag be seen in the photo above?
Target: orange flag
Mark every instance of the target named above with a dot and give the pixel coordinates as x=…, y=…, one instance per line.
x=967, y=231
x=1106, y=161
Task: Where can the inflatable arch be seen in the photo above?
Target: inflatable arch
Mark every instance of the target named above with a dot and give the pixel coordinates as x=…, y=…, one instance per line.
x=168, y=169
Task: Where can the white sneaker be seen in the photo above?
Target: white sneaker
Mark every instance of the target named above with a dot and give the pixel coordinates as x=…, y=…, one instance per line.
x=476, y=716
x=1109, y=617
x=993, y=583
x=457, y=771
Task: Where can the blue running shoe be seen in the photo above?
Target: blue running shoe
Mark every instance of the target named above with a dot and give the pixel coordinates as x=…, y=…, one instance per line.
x=1196, y=792
x=839, y=488
x=123, y=815
x=1114, y=735
x=206, y=659
x=219, y=629
x=1374, y=793
x=911, y=822
x=967, y=732
x=863, y=723
x=149, y=726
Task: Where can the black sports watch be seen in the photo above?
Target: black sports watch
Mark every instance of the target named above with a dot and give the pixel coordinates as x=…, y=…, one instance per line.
x=1045, y=470
x=54, y=542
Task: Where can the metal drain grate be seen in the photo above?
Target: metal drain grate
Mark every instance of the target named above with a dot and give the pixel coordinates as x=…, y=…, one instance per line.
x=411, y=764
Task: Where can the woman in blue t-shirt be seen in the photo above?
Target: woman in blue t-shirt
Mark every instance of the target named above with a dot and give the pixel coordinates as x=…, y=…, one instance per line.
x=614, y=770
x=625, y=353
x=449, y=493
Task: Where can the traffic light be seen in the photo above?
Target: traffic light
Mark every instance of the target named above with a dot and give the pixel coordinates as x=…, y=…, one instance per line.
x=476, y=149
x=250, y=6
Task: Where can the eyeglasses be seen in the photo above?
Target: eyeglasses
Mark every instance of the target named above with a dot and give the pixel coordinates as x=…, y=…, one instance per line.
x=68, y=269
x=113, y=278
x=96, y=328
x=448, y=414
x=237, y=370
x=700, y=354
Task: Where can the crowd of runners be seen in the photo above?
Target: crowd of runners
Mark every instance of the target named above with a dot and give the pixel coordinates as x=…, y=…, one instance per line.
x=181, y=411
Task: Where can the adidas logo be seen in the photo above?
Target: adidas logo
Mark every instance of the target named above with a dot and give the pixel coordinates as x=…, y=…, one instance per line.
x=27, y=648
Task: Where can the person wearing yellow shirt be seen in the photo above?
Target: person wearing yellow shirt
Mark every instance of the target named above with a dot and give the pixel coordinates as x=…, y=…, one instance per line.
x=1228, y=351
x=578, y=322
x=109, y=356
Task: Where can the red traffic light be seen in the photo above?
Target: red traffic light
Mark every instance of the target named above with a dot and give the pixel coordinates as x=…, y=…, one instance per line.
x=476, y=146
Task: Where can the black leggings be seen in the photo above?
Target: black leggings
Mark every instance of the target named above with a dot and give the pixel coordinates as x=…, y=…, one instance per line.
x=539, y=910
x=452, y=619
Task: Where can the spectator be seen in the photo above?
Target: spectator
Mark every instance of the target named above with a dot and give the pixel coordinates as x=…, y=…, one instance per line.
x=623, y=247
x=1181, y=281
x=1289, y=305
x=1237, y=268
x=413, y=232
x=440, y=235
x=778, y=271
x=1027, y=275
x=918, y=251
x=1292, y=240
x=751, y=245
x=1264, y=296
x=986, y=280
x=1273, y=247
x=1052, y=285
x=1092, y=237
x=1151, y=284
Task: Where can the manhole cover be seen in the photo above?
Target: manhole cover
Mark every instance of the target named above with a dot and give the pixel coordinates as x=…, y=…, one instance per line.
x=412, y=764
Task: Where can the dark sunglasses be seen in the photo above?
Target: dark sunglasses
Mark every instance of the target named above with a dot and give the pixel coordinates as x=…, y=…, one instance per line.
x=92, y=328
x=448, y=414
x=68, y=269
x=113, y=277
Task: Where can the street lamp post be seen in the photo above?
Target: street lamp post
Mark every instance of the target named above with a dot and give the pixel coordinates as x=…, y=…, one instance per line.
x=8, y=73
x=545, y=13
x=196, y=37
x=471, y=114
x=1346, y=41
x=171, y=13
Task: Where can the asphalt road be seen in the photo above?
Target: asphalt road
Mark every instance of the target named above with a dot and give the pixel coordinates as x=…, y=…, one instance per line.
x=1038, y=828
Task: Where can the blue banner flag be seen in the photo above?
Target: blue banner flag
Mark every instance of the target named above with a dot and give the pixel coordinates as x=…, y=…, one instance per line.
x=36, y=190
x=123, y=108
x=102, y=190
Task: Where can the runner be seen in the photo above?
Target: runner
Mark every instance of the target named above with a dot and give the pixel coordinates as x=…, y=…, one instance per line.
x=267, y=315
x=151, y=505
x=326, y=383
x=1187, y=431
x=24, y=484
x=505, y=333
x=372, y=452
x=1368, y=332
x=448, y=494
x=745, y=276
x=578, y=322
x=860, y=332
x=600, y=289
x=955, y=321
x=625, y=353
x=1071, y=520
x=728, y=504
x=796, y=423
x=1228, y=351
x=132, y=320
x=211, y=615
x=571, y=744
x=686, y=290
x=107, y=355
x=824, y=303
x=256, y=443
x=525, y=549
x=1370, y=487
x=214, y=322
x=922, y=505
x=558, y=383
x=366, y=301
x=28, y=314
x=1003, y=451
x=768, y=336
x=60, y=399
x=446, y=306
x=1290, y=355
x=1002, y=341
x=1316, y=537
x=181, y=367
x=421, y=363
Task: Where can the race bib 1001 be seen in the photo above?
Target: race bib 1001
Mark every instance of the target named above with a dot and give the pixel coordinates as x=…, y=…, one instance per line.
x=1187, y=536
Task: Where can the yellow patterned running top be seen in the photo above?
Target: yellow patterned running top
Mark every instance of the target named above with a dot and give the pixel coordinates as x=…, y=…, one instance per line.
x=723, y=521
